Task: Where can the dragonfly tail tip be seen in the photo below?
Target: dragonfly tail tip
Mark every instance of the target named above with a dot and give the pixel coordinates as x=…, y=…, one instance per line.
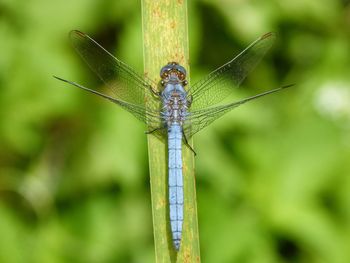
x=177, y=244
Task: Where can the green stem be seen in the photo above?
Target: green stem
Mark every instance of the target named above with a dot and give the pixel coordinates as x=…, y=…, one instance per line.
x=165, y=39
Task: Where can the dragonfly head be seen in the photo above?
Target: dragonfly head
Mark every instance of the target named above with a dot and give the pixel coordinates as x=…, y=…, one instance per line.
x=173, y=72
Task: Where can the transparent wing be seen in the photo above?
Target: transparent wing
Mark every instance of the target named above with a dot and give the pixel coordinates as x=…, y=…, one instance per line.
x=129, y=90
x=199, y=119
x=219, y=84
x=151, y=118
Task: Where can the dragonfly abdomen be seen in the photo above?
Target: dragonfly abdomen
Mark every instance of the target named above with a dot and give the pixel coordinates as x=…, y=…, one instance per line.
x=175, y=183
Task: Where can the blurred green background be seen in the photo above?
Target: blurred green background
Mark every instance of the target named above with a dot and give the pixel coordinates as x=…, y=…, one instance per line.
x=273, y=176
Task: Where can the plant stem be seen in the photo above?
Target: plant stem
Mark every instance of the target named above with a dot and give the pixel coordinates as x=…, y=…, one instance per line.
x=165, y=39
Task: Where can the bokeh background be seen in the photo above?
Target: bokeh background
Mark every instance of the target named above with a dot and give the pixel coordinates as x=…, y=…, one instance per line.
x=273, y=176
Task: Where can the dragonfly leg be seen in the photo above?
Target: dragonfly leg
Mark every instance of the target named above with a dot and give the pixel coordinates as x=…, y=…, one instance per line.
x=154, y=130
x=187, y=144
x=156, y=93
x=189, y=100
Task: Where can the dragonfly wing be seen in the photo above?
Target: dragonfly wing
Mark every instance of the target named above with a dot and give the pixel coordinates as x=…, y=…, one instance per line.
x=123, y=81
x=152, y=119
x=128, y=89
x=199, y=119
x=220, y=83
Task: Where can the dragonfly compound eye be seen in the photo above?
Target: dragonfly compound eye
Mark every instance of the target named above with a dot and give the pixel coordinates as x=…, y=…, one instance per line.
x=180, y=75
x=181, y=70
x=164, y=72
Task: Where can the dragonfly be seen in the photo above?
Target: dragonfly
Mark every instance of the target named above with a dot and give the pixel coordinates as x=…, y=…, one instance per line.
x=171, y=110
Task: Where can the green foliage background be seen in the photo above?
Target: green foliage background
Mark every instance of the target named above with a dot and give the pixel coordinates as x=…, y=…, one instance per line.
x=273, y=176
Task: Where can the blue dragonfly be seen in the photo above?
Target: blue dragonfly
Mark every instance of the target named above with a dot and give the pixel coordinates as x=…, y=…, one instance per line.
x=174, y=113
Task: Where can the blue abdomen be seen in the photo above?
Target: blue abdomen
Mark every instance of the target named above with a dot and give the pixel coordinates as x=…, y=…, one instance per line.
x=175, y=183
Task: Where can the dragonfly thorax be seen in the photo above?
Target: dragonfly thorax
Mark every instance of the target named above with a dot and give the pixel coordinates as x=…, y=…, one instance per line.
x=174, y=104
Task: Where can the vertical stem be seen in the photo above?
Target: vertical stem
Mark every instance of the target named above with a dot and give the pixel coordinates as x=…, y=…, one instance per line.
x=165, y=39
